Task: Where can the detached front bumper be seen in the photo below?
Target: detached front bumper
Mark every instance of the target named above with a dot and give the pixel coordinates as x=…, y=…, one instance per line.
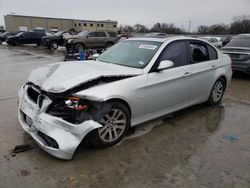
x=54, y=135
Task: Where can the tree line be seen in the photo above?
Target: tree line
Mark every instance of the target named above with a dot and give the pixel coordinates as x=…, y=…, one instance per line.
x=239, y=24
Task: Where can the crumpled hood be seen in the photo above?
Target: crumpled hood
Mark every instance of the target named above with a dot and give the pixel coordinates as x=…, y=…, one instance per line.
x=60, y=77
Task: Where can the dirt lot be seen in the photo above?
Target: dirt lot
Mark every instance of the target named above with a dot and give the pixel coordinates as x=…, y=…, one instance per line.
x=200, y=146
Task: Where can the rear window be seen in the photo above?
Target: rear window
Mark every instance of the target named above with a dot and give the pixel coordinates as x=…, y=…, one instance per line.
x=242, y=41
x=112, y=34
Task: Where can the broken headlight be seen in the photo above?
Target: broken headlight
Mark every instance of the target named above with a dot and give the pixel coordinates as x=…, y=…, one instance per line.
x=75, y=103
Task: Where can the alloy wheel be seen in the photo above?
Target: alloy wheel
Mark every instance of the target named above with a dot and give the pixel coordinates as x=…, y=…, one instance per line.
x=114, y=125
x=217, y=92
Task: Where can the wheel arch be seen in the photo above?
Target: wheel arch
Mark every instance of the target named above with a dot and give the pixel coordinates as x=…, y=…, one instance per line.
x=224, y=79
x=121, y=101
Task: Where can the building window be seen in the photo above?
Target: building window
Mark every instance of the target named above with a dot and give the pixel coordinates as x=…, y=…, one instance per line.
x=75, y=24
x=114, y=26
x=79, y=24
x=91, y=25
x=98, y=25
x=102, y=25
x=85, y=24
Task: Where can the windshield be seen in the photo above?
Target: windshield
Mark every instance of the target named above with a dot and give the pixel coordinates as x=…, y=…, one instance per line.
x=19, y=34
x=58, y=33
x=83, y=34
x=135, y=54
x=242, y=41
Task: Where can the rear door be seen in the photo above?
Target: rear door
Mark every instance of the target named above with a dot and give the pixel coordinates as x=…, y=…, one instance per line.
x=170, y=88
x=204, y=60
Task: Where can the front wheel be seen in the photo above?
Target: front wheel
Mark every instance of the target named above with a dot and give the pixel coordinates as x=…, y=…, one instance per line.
x=217, y=92
x=78, y=48
x=115, y=125
x=54, y=45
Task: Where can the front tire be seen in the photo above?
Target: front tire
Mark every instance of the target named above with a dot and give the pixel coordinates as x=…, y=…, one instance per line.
x=78, y=48
x=54, y=45
x=115, y=126
x=217, y=92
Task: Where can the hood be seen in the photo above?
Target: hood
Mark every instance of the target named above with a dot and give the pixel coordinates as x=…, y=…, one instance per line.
x=67, y=37
x=12, y=37
x=60, y=77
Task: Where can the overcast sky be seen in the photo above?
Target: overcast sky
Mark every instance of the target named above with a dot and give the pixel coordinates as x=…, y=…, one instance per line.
x=146, y=12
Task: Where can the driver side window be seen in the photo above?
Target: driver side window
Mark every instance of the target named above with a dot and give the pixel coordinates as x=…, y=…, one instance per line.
x=175, y=52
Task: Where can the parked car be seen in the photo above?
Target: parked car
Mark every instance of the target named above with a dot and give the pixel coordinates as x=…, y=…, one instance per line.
x=239, y=51
x=225, y=40
x=54, y=40
x=92, y=39
x=155, y=35
x=213, y=40
x=29, y=37
x=132, y=82
x=4, y=36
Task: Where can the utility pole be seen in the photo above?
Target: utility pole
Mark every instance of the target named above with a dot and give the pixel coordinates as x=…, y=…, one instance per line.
x=189, y=28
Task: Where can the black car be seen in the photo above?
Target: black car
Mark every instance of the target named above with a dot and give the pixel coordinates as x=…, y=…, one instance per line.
x=55, y=40
x=29, y=37
x=4, y=35
x=239, y=51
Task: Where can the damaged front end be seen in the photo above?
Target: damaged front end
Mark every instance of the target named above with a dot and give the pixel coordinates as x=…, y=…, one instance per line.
x=58, y=122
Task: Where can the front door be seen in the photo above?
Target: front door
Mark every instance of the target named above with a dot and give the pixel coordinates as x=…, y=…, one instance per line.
x=170, y=88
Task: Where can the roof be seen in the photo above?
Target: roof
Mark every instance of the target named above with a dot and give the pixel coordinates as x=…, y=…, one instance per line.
x=15, y=15
x=154, y=39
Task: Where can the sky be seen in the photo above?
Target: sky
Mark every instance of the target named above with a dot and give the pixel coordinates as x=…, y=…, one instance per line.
x=131, y=12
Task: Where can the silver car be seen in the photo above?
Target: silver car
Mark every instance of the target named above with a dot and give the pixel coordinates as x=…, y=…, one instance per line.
x=132, y=82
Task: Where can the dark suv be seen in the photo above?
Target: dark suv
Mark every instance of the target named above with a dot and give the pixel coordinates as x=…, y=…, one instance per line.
x=239, y=51
x=92, y=39
x=55, y=40
x=29, y=37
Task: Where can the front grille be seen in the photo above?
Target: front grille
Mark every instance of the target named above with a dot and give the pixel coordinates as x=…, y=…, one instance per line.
x=33, y=94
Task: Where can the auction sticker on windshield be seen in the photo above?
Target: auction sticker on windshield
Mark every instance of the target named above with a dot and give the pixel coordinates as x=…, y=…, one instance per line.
x=148, y=46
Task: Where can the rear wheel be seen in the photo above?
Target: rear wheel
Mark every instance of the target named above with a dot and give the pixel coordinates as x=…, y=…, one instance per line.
x=217, y=92
x=1, y=41
x=115, y=125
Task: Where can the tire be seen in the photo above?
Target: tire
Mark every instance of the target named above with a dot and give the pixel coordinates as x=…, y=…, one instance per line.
x=109, y=44
x=217, y=92
x=112, y=132
x=54, y=45
x=1, y=41
x=78, y=47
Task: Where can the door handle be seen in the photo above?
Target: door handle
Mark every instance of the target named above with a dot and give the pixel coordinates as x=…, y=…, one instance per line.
x=213, y=67
x=187, y=74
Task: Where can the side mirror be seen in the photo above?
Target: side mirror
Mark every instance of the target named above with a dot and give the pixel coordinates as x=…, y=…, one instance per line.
x=165, y=64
